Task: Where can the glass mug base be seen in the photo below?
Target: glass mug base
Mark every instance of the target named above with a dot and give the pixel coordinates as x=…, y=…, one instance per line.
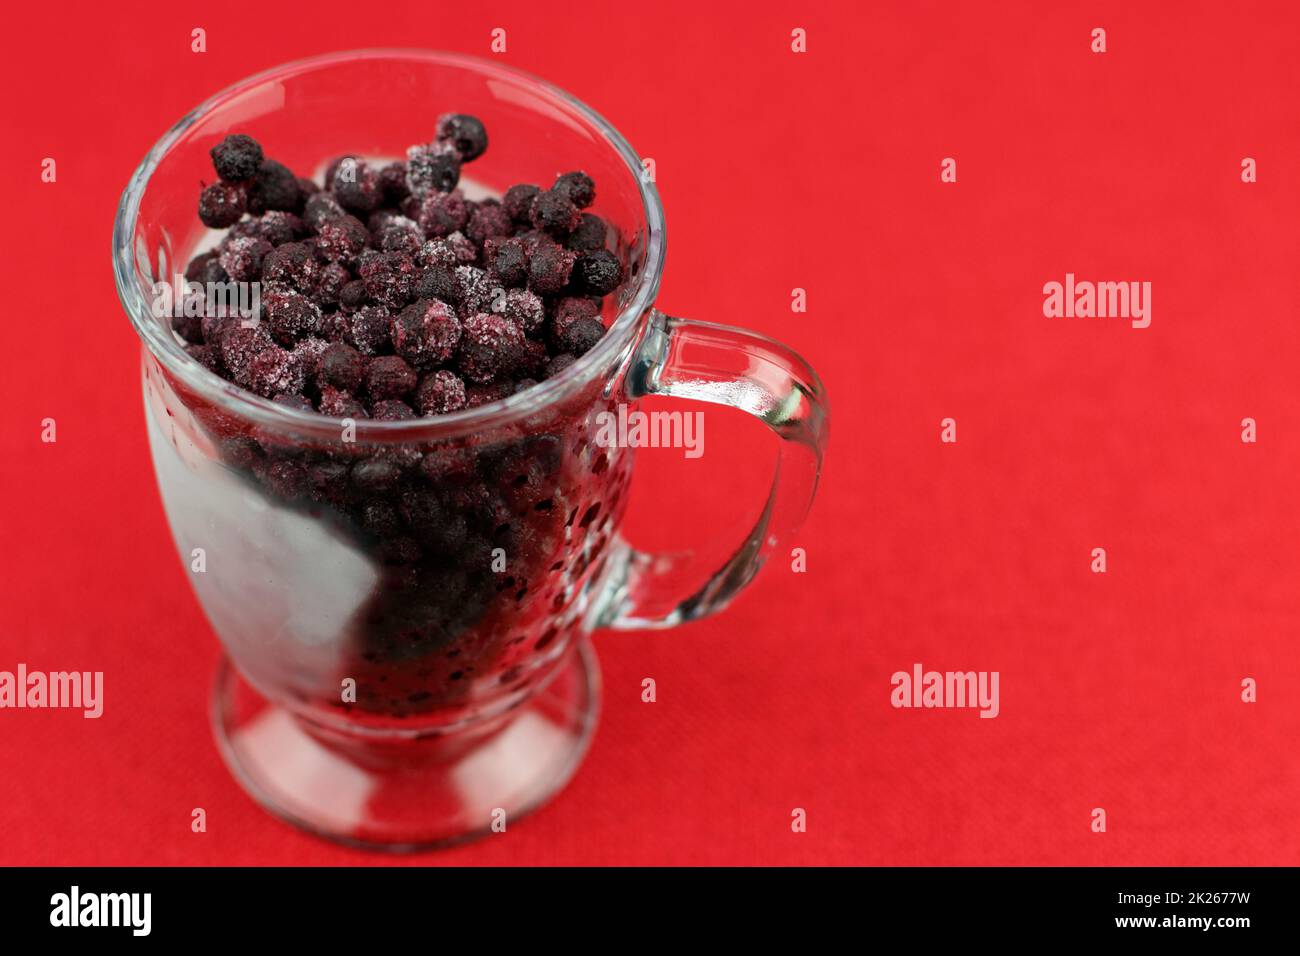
x=406, y=795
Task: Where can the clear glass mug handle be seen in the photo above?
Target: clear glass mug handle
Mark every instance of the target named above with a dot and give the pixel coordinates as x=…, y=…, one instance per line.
x=720, y=365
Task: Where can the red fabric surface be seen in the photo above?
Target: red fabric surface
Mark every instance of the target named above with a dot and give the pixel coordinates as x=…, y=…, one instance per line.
x=1118, y=690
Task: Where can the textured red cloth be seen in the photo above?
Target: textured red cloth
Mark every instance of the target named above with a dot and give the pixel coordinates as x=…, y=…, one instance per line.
x=819, y=171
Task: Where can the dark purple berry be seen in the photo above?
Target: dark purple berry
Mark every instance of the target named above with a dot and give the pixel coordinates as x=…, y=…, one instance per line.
x=290, y=316
x=581, y=336
x=578, y=186
x=426, y=333
x=221, y=205
x=342, y=367
x=568, y=311
x=377, y=475
x=292, y=265
x=205, y=268
x=274, y=187
x=356, y=186
x=236, y=158
x=440, y=392
x=437, y=282
x=518, y=202
x=389, y=277
x=488, y=222
x=401, y=235
x=329, y=289
x=285, y=479
x=273, y=370
x=588, y=235
x=598, y=273
x=319, y=209
x=392, y=183
x=524, y=309
x=506, y=261
x=242, y=258
x=549, y=268
x=554, y=213
x=342, y=238
x=189, y=328
x=464, y=133
x=559, y=363
x=475, y=290
x=209, y=356
x=388, y=376
x=432, y=169
x=441, y=214
x=490, y=347
x=368, y=330
x=337, y=403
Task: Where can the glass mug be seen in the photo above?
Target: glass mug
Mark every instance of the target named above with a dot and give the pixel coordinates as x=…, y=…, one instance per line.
x=405, y=606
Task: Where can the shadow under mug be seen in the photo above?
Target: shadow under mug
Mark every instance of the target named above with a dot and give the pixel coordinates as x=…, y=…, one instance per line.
x=405, y=611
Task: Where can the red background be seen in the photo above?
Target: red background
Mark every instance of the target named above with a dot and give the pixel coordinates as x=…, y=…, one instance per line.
x=777, y=170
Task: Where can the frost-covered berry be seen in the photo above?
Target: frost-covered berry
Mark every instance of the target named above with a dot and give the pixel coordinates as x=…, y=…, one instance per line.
x=368, y=330
x=464, y=133
x=392, y=183
x=236, y=158
x=389, y=277
x=426, y=333
x=242, y=258
x=475, y=290
x=441, y=214
x=524, y=309
x=581, y=336
x=437, y=282
x=588, y=235
x=391, y=410
x=554, y=213
x=490, y=347
x=518, y=202
x=221, y=205
x=506, y=261
x=290, y=316
x=278, y=227
x=356, y=186
x=440, y=392
x=434, y=168
x=292, y=265
x=319, y=209
x=488, y=221
x=342, y=238
x=549, y=268
x=578, y=186
x=338, y=403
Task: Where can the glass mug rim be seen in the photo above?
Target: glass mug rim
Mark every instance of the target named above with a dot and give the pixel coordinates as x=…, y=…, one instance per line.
x=162, y=345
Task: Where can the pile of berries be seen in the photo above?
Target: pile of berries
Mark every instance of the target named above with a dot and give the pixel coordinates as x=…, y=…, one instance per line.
x=387, y=294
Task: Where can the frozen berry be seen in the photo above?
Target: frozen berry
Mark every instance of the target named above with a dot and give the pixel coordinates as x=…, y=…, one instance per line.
x=432, y=169
x=189, y=328
x=292, y=266
x=532, y=362
x=388, y=376
x=308, y=352
x=488, y=222
x=392, y=183
x=476, y=395
x=440, y=392
x=356, y=186
x=389, y=277
x=221, y=205
x=524, y=308
x=506, y=261
x=391, y=410
x=465, y=134
x=319, y=209
x=598, y=272
x=568, y=311
x=490, y=347
x=337, y=403
x=578, y=186
x=442, y=213
x=437, y=282
x=436, y=252
x=368, y=330
x=329, y=289
x=285, y=478
x=273, y=370
x=518, y=202
x=205, y=268
x=290, y=316
x=426, y=333
x=236, y=158
x=401, y=235
x=554, y=213
x=242, y=258
x=342, y=238
x=342, y=367
x=559, y=363
x=475, y=290
x=278, y=227
x=588, y=235
x=352, y=296
x=581, y=336
x=465, y=251
x=549, y=268
x=274, y=187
